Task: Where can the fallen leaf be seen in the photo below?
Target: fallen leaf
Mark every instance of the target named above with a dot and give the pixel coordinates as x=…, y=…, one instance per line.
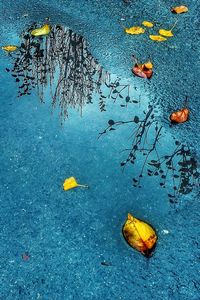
x=143, y=70
x=148, y=65
x=167, y=33
x=139, y=235
x=157, y=38
x=134, y=30
x=44, y=30
x=9, y=48
x=147, y=24
x=71, y=183
x=179, y=9
x=180, y=116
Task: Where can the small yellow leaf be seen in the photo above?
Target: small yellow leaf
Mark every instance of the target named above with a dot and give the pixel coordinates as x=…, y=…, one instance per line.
x=9, y=48
x=167, y=33
x=179, y=9
x=148, y=65
x=139, y=235
x=134, y=30
x=157, y=38
x=71, y=183
x=44, y=30
x=147, y=24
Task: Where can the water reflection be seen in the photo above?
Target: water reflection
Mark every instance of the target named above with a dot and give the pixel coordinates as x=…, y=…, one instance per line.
x=62, y=62
x=175, y=166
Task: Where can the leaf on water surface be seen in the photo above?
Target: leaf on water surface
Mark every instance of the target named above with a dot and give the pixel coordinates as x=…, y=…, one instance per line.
x=180, y=116
x=165, y=32
x=135, y=30
x=71, y=183
x=9, y=48
x=139, y=235
x=147, y=24
x=143, y=70
x=44, y=30
x=179, y=9
x=157, y=38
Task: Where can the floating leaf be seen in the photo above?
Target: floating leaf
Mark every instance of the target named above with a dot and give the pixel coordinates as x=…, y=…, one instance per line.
x=135, y=30
x=71, y=183
x=44, y=30
x=157, y=38
x=180, y=116
x=143, y=70
x=147, y=24
x=148, y=65
x=167, y=33
x=9, y=48
x=179, y=9
x=139, y=235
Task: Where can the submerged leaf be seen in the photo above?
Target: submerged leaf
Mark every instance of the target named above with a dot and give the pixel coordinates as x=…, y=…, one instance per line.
x=157, y=38
x=139, y=235
x=167, y=33
x=180, y=116
x=44, y=30
x=9, y=48
x=179, y=9
x=135, y=30
x=147, y=24
x=71, y=183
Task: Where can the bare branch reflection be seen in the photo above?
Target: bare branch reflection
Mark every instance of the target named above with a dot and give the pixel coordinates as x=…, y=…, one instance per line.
x=177, y=169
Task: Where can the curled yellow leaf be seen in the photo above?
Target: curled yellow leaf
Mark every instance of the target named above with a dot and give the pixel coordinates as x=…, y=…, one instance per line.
x=9, y=48
x=44, y=30
x=139, y=235
x=71, y=183
x=179, y=9
x=148, y=65
x=147, y=24
x=167, y=33
x=134, y=30
x=157, y=38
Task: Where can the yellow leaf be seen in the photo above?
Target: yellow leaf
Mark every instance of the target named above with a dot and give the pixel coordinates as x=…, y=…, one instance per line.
x=9, y=48
x=179, y=9
x=147, y=24
x=157, y=38
x=167, y=33
x=71, y=183
x=148, y=65
x=139, y=235
x=44, y=30
x=134, y=30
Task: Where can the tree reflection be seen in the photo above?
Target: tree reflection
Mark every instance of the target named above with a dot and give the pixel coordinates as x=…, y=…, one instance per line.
x=178, y=168
x=63, y=62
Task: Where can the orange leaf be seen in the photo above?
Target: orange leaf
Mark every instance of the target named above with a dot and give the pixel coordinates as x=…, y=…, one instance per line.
x=179, y=9
x=143, y=70
x=180, y=116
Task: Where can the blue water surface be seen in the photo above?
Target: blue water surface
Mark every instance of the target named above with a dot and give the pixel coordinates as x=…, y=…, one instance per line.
x=73, y=240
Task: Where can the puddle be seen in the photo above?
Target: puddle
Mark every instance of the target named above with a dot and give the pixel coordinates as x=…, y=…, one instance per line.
x=73, y=117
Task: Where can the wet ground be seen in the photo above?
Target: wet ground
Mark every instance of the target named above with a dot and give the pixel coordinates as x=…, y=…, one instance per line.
x=70, y=106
